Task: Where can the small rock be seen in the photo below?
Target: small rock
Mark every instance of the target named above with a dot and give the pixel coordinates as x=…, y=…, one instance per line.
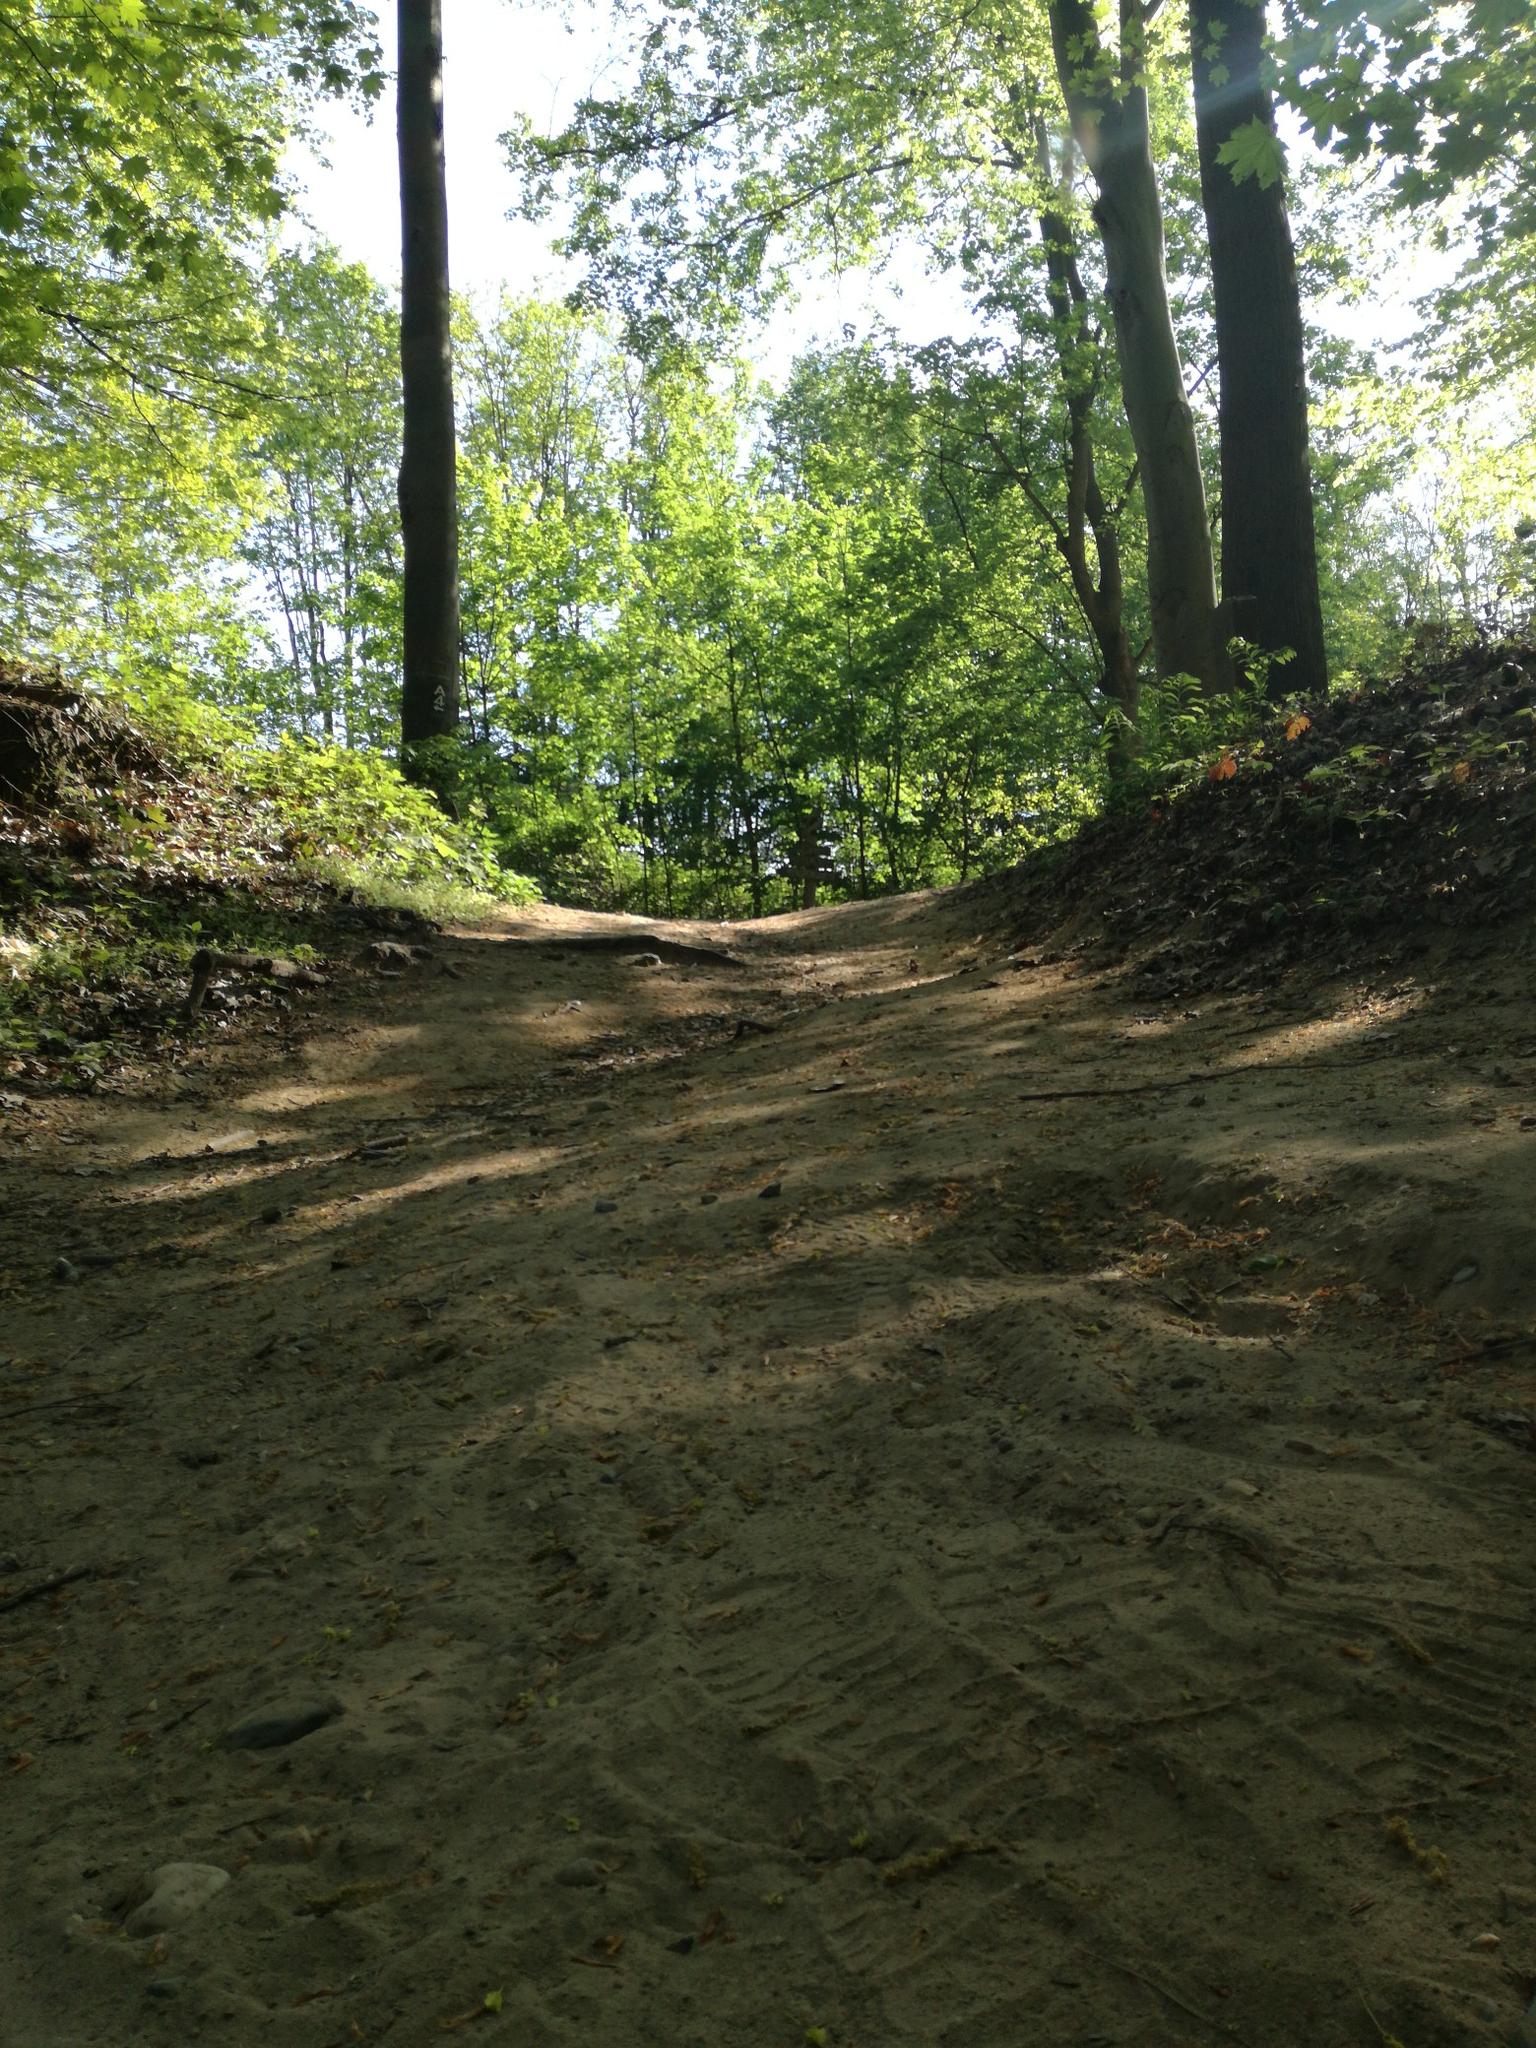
x=643, y=960
x=65, y=1270
x=771, y=1193
x=390, y=956
x=163, y=1987
x=1464, y=1273
x=1149, y=1517
x=579, y=1872
x=705, y=1200
x=271, y=1214
x=174, y=1893
x=1239, y=1489
x=681, y=1947
x=196, y=1455
x=605, y=1208
x=281, y=1725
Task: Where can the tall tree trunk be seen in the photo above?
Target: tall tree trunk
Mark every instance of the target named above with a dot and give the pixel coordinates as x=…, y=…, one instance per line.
x=1108, y=110
x=1268, y=534
x=1102, y=596
x=429, y=706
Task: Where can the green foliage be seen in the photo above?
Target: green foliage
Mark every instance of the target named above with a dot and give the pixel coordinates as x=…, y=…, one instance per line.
x=139, y=143
x=1441, y=98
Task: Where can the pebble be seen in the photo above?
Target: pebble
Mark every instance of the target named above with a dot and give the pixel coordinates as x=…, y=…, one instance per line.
x=281, y=1725
x=65, y=1270
x=605, y=1208
x=1149, y=1517
x=1239, y=1489
x=770, y=1193
x=582, y=1871
x=163, y=1987
x=1464, y=1273
x=643, y=960
x=175, y=1892
x=705, y=1200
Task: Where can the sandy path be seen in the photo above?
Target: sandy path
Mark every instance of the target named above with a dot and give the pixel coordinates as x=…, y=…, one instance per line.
x=814, y=1532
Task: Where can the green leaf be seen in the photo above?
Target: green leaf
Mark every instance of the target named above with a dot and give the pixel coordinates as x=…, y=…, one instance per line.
x=1253, y=151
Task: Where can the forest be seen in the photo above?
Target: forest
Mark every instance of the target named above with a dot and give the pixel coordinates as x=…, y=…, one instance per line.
x=767, y=1084
x=725, y=642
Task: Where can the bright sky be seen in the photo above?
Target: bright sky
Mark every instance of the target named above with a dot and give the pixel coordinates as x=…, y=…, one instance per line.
x=502, y=60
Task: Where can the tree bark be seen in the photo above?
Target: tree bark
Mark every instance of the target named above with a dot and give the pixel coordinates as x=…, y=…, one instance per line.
x=429, y=706
x=1108, y=110
x=1268, y=532
x=1101, y=597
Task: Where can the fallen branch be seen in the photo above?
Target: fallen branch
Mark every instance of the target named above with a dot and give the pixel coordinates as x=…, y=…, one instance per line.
x=206, y=963
x=46, y=1586
x=95, y=1395
x=639, y=942
x=1370, y=1059
x=41, y=691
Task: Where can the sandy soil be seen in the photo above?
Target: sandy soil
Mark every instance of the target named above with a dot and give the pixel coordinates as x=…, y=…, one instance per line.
x=975, y=1514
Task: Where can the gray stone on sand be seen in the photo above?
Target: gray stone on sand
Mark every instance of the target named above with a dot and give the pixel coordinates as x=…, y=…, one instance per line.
x=281, y=1725
x=174, y=1893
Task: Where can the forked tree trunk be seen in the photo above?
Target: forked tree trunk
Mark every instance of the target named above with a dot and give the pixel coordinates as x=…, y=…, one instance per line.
x=1268, y=533
x=1108, y=110
x=429, y=707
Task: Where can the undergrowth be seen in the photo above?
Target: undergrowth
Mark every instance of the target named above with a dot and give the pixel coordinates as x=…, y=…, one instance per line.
x=167, y=826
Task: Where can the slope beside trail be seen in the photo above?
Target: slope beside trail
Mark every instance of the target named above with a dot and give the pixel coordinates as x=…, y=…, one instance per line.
x=877, y=1494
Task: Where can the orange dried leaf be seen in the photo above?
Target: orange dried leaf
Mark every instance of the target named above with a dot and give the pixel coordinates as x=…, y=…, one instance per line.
x=1297, y=726
x=1224, y=769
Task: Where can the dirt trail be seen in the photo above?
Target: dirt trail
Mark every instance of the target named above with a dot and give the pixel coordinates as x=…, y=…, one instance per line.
x=839, y=1497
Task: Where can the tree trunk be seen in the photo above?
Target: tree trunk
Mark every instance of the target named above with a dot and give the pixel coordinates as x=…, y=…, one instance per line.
x=1101, y=597
x=1268, y=535
x=429, y=707
x=1109, y=121
x=808, y=854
